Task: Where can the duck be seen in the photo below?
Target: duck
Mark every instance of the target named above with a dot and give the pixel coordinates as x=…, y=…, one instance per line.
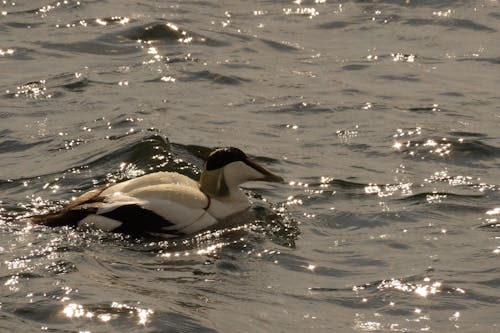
x=166, y=204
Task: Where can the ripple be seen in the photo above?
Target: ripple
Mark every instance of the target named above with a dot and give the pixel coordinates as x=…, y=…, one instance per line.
x=277, y=224
x=300, y=108
x=61, y=267
x=6, y=52
x=407, y=78
x=164, y=32
x=279, y=46
x=91, y=47
x=43, y=11
x=402, y=57
x=17, y=146
x=77, y=85
x=493, y=61
x=355, y=67
x=450, y=201
x=215, y=78
x=451, y=23
x=421, y=288
x=468, y=134
x=33, y=90
x=23, y=25
x=117, y=315
x=309, y=12
x=126, y=314
x=398, y=304
x=48, y=88
x=96, y=22
x=456, y=151
x=334, y=25
x=149, y=154
x=477, y=149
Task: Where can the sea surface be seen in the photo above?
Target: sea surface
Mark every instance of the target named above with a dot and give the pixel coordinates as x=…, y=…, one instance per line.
x=383, y=116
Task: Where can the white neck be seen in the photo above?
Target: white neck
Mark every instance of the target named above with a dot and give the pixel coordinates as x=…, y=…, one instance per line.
x=221, y=186
x=223, y=207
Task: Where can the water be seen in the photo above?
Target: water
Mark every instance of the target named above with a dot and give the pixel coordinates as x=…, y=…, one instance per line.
x=383, y=116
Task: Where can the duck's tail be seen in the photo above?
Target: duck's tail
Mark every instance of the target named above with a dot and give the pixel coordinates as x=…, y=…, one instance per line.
x=65, y=217
x=81, y=207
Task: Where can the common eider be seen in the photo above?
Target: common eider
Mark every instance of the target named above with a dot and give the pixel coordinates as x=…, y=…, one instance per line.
x=166, y=204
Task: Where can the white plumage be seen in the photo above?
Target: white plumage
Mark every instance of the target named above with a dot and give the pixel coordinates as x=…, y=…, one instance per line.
x=167, y=204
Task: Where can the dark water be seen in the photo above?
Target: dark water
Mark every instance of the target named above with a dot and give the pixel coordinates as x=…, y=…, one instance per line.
x=384, y=116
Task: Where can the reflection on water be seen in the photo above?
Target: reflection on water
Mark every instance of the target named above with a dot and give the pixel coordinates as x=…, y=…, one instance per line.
x=381, y=115
x=75, y=311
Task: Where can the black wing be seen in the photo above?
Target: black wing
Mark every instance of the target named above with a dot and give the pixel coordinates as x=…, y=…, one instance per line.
x=138, y=221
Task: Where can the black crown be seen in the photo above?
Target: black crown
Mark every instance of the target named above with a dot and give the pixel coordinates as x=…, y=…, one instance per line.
x=223, y=156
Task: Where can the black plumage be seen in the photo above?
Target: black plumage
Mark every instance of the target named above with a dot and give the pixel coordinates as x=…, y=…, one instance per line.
x=138, y=221
x=223, y=156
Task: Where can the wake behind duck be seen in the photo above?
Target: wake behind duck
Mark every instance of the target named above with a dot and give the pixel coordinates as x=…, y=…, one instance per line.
x=166, y=204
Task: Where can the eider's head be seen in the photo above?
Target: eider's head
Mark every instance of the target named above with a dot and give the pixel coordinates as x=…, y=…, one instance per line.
x=226, y=168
